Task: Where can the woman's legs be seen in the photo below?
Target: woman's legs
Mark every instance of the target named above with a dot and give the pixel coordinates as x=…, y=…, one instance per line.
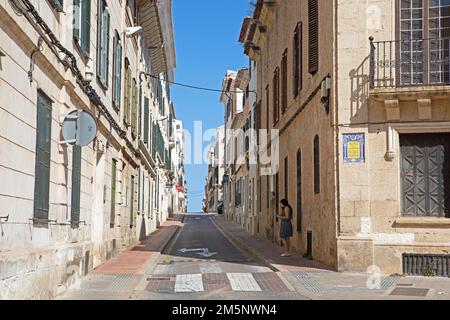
x=288, y=245
x=285, y=245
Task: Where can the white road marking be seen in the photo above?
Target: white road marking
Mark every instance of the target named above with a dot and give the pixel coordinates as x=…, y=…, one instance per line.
x=210, y=268
x=243, y=282
x=189, y=283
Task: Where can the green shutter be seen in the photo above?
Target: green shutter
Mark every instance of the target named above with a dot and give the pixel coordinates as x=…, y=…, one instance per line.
x=76, y=20
x=76, y=185
x=134, y=105
x=42, y=167
x=127, y=95
x=85, y=26
x=113, y=191
x=117, y=71
x=146, y=119
x=103, y=43
x=132, y=202
x=58, y=4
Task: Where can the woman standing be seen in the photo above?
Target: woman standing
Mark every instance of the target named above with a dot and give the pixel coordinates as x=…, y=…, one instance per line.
x=286, y=227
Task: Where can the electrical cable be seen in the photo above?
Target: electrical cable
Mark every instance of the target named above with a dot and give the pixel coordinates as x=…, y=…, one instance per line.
x=195, y=87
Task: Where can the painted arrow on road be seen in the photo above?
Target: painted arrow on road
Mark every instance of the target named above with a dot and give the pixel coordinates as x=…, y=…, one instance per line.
x=200, y=251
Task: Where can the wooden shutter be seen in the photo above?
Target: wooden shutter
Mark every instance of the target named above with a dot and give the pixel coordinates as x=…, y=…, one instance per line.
x=42, y=167
x=117, y=73
x=316, y=165
x=58, y=4
x=299, y=191
x=134, y=105
x=276, y=96
x=76, y=185
x=284, y=82
x=313, y=21
x=132, y=202
x=77, y=20
x=85, y=26
x=127, y=93
x=146, y=119
x=103, y=44
x=297, y=59
x=113, y=191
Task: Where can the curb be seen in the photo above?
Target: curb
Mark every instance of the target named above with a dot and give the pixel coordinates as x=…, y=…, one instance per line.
x=163, y=247
x=249, y=250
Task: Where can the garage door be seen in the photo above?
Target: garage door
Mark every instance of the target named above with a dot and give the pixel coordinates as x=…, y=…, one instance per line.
x=425, y=171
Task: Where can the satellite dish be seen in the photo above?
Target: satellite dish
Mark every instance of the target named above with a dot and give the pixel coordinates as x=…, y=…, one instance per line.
x=79, y=128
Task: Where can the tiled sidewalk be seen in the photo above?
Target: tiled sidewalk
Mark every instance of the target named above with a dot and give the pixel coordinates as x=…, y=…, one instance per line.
x=316, y=281
x=118, y=277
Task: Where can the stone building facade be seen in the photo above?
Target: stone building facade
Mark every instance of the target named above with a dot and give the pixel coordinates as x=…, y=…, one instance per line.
x=65, y=209
x=363, y=124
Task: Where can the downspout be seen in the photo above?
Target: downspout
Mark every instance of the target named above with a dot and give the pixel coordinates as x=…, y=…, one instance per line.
x=336, y=126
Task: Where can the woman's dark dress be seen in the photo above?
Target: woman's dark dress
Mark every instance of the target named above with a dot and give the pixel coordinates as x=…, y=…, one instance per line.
x=286, y=227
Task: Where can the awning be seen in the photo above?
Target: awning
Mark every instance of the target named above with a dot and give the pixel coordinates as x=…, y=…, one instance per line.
x=152, y=30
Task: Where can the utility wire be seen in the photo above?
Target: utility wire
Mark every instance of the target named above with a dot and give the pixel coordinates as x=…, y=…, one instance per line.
x=195, y=87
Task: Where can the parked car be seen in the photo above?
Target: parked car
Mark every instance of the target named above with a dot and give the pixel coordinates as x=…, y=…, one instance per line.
x=220, y=208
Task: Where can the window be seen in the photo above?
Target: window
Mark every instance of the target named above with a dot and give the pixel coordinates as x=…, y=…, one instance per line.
x=146, y=119
x=132, y=202
x=316, y=165
x=276, y=96
x=134, y=107
x=57, y=4
x=127, y=102
x=76, y=185
x=43, y=154
x=284, y=82
x=113, y=191
x=259, y=195
x=424, y=61
x=117, y=71
x=277, y=192
x=286, y=178
x=103, y=43
x=81, y=28
x=299, y=191
x=313, y=31
x=297, y=59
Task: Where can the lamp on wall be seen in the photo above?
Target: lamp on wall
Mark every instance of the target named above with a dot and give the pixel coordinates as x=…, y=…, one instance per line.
x=325, y=93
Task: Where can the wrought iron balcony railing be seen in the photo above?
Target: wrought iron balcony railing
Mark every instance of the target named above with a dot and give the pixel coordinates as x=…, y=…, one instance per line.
x=412, y=62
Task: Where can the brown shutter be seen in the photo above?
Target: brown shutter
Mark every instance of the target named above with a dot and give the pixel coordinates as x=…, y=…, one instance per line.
x=313, y=20
x=297, y=60
x=284, y=82
x=276, y=96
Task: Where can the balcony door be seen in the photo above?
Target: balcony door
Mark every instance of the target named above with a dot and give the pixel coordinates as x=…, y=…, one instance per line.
x=424, y=33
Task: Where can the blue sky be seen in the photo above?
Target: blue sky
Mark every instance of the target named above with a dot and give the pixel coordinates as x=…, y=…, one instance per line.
x=206, y=40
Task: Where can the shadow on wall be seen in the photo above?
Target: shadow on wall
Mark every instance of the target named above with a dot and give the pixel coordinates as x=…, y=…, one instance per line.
x=359, y=94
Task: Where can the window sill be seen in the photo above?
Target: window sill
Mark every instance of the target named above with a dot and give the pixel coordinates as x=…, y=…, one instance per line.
x=421, y=222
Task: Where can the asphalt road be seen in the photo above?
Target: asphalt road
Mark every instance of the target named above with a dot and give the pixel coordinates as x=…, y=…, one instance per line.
x=200, y=234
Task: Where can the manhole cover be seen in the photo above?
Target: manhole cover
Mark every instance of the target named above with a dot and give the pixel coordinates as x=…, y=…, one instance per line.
x=411, y=292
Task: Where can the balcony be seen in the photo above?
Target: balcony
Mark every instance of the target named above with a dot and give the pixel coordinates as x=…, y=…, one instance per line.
x=409, y=63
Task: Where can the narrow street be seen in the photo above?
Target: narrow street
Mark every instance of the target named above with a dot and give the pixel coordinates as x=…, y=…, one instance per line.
x=198, y=263
x=200, y=256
